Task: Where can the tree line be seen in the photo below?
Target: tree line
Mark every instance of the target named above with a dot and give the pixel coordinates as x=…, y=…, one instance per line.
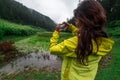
x=112, y=8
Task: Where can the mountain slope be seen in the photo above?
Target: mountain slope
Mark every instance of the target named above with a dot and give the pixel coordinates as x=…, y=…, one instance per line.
x=16, y=12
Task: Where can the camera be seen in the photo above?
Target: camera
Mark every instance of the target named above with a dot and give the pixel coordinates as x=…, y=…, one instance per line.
x=62, y=26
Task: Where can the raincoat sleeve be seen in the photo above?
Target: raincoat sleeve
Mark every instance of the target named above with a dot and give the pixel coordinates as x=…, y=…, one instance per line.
x=64, y=48
x=73, y=29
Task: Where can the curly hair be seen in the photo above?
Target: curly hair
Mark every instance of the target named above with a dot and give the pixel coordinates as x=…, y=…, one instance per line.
x=91, y=22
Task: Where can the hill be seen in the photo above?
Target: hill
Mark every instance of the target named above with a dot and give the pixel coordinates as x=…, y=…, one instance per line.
x=17, y=12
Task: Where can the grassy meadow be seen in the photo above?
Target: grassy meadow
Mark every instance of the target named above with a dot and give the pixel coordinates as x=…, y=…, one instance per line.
x=8, y=29
x=34, y=42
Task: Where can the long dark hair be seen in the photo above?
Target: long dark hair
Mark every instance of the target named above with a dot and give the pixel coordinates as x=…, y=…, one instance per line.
x=91, y=20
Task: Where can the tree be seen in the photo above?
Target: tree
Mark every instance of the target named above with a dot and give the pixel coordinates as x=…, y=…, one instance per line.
x=112, y=8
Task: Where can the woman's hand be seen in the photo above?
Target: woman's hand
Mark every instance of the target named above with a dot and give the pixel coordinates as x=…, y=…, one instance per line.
x=58, y=27
x=67, y=25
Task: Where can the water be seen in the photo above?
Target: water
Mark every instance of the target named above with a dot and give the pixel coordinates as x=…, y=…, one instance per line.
x=36, y=60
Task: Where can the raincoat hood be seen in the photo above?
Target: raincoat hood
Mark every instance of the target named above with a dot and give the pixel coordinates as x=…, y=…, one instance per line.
x=105, y=46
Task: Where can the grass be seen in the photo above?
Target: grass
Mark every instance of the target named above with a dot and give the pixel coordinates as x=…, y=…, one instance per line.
x=13, y=38
x=39, y=42
x=114, y=31
x=33, y=75
x=9, y=28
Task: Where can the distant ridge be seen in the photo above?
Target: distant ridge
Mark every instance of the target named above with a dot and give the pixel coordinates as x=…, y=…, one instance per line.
x=17, y=12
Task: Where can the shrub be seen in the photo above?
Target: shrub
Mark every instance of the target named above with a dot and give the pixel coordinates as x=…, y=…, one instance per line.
x=8, y=50
x=113, y=24
x=1, y=33
x=113, y=28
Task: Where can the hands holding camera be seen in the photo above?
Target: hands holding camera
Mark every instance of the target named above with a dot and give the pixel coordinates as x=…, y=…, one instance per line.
x=59, y=29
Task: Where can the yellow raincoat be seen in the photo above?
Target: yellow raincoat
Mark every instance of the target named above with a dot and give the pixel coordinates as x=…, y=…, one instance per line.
x=71, y=70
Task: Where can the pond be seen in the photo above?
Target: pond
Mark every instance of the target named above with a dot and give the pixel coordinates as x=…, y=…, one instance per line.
x=35, y=60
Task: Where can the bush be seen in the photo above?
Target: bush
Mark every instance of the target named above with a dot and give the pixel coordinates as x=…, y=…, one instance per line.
x=114, y=24
x=8, y=50
x=113, y=28
x=1, y=33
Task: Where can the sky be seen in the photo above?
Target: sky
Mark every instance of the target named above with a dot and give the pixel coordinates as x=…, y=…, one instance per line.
x=57, y=10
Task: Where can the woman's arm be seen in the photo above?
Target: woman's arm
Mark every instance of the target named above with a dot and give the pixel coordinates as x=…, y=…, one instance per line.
x=71, y=28
x=65, y=48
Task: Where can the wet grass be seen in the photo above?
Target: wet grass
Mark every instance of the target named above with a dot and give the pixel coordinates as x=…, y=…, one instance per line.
x=33, y=75
x=38, y=43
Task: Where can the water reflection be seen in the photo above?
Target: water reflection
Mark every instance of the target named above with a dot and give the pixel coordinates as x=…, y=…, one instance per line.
x=37, y=60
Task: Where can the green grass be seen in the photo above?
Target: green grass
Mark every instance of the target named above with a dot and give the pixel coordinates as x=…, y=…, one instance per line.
x=114, y=31
x=13, y=38
x=39, y=42
x=9, y=28
x=113, y=28
x=33, y=75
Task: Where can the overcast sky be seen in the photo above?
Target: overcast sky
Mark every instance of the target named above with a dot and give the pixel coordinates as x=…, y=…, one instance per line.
x=58, y=10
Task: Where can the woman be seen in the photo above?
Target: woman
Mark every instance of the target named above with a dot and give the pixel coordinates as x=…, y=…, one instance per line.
x=89, y=43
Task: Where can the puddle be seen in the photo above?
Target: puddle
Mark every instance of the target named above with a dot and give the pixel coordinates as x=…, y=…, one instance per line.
x=37, y=60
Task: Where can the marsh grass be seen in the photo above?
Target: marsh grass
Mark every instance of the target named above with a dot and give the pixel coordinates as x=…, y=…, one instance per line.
x=39, y=42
